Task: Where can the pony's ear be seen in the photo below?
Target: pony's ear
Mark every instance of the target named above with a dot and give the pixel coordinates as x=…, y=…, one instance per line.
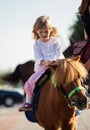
x=77, y=58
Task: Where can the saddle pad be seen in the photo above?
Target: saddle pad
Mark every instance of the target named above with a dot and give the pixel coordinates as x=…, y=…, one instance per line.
x=78, y=47
x=30, y=115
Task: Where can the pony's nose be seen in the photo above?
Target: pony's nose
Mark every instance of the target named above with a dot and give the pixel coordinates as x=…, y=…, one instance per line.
x=82, y=102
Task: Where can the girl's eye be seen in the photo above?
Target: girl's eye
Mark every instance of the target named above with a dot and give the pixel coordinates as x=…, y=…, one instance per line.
x=46, y=31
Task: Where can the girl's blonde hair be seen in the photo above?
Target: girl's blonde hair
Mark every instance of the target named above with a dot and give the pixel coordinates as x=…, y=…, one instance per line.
x=83, y=6
x=41, y=22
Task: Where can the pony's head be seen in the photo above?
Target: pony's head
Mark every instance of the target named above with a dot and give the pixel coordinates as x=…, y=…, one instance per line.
x=68, y=75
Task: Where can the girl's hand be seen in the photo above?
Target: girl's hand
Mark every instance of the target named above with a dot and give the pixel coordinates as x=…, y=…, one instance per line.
x=44, y=63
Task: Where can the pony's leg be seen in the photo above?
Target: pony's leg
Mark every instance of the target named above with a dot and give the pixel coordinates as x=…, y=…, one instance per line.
x=70, y=126
x=65, y=126
x=52, y=128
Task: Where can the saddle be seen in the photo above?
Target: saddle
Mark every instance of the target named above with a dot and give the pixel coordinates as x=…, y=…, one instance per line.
x=82, y=48
x=41, y=81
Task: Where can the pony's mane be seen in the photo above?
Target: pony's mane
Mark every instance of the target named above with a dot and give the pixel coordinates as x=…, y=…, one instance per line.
x=68, y=70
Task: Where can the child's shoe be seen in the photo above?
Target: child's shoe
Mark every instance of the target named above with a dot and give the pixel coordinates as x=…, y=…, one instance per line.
x=25, y=107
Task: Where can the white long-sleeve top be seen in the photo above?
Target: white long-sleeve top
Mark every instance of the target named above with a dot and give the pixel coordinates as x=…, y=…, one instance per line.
x=49, y=51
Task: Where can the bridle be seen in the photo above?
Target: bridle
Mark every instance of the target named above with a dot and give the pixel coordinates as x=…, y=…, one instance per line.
x=70, y=94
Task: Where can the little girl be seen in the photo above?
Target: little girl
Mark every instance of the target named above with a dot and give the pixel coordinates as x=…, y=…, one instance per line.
x=46, y=48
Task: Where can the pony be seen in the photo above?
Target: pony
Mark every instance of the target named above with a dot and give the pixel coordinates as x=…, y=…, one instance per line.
x=22, y=72
x=61, y=95
x=69, y=53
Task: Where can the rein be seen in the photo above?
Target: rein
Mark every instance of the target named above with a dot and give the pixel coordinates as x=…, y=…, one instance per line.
x=71, y=93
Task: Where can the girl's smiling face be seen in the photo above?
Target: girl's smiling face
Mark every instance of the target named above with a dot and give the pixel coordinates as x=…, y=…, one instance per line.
x=44, y=34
